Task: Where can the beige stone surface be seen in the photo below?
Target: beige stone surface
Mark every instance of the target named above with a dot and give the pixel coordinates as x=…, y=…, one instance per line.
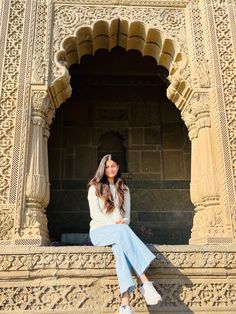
x=194, y=40
x=40, y=41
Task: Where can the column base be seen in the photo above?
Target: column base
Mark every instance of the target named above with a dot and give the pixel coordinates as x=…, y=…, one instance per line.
x=210, y=240
x=32, y=237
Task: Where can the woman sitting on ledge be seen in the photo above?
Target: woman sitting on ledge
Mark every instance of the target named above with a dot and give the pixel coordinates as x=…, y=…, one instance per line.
x=109, y=203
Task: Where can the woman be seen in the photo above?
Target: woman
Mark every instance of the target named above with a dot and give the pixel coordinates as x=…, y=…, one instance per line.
x=109, y=203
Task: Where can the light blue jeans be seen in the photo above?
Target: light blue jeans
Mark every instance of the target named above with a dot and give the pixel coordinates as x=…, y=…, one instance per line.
x=128, y=250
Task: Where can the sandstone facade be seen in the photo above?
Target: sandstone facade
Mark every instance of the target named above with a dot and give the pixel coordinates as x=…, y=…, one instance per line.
x=194, y=40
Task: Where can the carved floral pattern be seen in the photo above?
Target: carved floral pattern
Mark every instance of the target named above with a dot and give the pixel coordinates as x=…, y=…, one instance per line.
x=92, y=260
x=228, y=69
x=8, y=95
x=82, y=297
x=40, y=58
x=6, y=223
x=44, y=298
x=227, y=65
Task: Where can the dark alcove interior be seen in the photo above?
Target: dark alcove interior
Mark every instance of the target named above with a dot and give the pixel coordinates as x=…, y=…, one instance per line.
x=119, y=105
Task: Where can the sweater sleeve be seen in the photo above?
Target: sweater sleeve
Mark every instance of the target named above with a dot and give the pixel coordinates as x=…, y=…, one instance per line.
x=95, y=211
x=127, y=206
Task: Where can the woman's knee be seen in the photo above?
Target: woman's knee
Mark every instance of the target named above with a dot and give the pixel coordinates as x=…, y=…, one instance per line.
x=123, y=230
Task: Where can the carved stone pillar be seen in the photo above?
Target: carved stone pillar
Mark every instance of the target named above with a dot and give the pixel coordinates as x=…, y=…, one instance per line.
x=35, y=231
x=190, y=121
x=208, y=226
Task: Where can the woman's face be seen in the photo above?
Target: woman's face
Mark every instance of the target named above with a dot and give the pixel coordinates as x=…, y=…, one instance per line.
x=111, y=169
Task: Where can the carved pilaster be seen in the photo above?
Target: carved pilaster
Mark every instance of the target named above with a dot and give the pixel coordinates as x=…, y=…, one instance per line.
x=208, y=226
x=35, y=230
x=190, y=121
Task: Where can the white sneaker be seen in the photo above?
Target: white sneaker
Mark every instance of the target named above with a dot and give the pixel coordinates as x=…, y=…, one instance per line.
x=152, y=297
x=125, y=310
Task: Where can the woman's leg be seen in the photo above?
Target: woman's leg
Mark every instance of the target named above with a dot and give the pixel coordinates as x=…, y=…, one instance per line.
x=107, y=236
x=123, y=270
x=134, y=249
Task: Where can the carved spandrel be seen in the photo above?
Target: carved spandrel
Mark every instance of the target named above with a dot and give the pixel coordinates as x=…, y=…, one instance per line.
x=70, y=18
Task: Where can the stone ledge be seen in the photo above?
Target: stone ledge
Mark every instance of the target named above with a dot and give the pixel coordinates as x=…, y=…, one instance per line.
x=191, y=279
x=99, y=260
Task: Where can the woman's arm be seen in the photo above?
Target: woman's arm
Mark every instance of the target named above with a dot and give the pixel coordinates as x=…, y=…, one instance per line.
x=127, y=207
x=95, y=211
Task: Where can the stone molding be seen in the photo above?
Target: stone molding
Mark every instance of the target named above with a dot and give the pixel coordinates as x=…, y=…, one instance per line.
x=88, y=258
x=155, y=3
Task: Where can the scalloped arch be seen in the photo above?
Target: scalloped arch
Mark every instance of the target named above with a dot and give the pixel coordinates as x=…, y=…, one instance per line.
x=102, y=34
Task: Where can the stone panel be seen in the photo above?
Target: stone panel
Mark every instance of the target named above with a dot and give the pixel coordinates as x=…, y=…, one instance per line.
x=68, y=165
x=67, y=200
x=83, y=168
x=136, y=136
x=134, y=162
x=139, y=115
x=162, y=233
x=77, y=135
x=56, y=168
x=151, y=161
x=152, y=135
x=173, y=165
x=160, y=199
x=187, y=166
x=68, y=221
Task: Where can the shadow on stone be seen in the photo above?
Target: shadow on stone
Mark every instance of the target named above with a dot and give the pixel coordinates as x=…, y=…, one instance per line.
x=170, y=282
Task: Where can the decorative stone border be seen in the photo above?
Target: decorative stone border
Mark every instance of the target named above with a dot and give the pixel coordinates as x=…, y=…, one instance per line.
x=199, y=279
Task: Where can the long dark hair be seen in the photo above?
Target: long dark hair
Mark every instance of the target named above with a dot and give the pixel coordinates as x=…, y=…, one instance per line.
x=101, y=184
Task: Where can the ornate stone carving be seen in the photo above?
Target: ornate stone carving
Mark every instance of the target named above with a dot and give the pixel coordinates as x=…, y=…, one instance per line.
x=56, y=297
x=69, y=18
x=37, y=184
x=202, y=78
x=6, y=223
x=204, y=185
x=157, y=3
x=93, y=294
x=41, y=53
x=91, y=259
x=8, y=95
x=161, y=20
x=227, y=65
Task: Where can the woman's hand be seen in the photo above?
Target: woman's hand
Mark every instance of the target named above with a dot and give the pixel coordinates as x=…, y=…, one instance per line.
x=121, y=221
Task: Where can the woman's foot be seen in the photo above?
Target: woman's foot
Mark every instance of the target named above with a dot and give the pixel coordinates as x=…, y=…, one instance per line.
x=152, y=297
x=125, y=309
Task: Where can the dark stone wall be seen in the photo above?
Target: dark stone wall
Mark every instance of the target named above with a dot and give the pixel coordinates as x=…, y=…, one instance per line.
x=121, y=94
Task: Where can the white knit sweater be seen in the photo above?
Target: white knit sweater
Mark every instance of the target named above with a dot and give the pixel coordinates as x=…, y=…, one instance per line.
x=98, y=213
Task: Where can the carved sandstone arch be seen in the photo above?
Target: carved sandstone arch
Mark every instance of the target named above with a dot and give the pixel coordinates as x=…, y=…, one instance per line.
x=128, y=35
x=209, y=225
